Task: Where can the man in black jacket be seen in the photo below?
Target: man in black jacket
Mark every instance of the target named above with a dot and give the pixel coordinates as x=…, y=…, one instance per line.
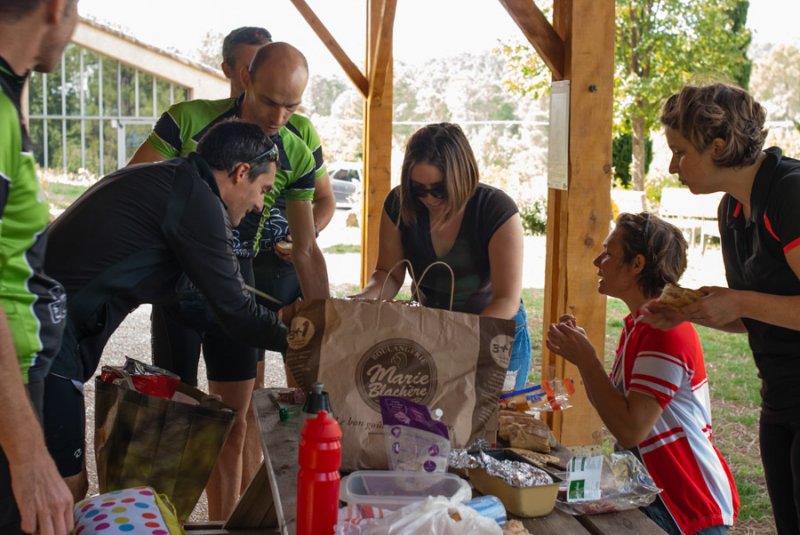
x=140, y=235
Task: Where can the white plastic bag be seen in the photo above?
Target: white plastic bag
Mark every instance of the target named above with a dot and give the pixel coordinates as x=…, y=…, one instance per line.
x=431, y=516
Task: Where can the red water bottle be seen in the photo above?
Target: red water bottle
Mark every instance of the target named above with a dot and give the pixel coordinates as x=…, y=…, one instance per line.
x=318, y=479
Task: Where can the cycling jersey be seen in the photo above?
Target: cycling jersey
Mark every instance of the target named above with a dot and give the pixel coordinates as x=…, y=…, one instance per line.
x=34, y=303
x=130, y=238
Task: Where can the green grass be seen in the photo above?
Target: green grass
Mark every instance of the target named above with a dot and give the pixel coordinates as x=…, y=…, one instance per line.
x=340, y=248
x=735, y=399
x=62, y=195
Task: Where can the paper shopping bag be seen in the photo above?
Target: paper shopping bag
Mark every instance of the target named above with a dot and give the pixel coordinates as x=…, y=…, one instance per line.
x=167, y=444
x=364, y=349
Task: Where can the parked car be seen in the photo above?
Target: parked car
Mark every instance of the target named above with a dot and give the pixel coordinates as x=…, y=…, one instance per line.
x=346, y=182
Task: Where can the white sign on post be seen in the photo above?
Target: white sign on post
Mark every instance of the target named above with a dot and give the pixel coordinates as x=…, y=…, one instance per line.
x=558, y=140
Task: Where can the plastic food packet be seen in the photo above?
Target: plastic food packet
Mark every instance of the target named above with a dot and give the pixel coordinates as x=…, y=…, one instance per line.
x=550, y=395
x=434, y=516
x=615, y=482
x=415, y=440
x=144, y=378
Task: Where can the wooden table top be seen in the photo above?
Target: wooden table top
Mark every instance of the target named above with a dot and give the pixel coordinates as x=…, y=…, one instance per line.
x=280, y=441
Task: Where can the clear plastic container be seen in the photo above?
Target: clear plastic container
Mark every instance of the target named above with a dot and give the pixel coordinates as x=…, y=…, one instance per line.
x=395, y=489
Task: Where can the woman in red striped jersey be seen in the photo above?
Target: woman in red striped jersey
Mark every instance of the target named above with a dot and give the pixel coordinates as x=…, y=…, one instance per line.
x=655, y=401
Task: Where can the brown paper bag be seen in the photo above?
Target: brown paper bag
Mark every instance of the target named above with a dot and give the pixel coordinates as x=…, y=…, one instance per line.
x=363, y=349
x=169, y=445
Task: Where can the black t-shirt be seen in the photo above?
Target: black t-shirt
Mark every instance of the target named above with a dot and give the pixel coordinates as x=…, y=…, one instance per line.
x=486, y=211
x=754, y=252
x=130, y=239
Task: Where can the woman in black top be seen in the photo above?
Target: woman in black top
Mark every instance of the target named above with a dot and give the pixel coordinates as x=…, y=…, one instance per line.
x=716, y=134
x=441, y=212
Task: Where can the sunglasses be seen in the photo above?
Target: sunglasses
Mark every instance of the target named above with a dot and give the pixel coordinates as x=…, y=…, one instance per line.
x=437, y=191
x=270, y=155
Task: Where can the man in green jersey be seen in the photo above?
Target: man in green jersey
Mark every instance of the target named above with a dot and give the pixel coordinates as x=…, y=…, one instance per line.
x=274, y=87
x=33, y=497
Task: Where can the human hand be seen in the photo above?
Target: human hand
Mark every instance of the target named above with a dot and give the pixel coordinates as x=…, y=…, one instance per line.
x=283, y=249
x=44, y=501
x=718, y=308
x=662, y=316
x=570, y=341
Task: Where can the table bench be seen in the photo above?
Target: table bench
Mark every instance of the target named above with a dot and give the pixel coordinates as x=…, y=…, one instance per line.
x=280, y=442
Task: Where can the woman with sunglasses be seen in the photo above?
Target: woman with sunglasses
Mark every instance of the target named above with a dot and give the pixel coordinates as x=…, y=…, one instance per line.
x=441, y=212
x=656, y=400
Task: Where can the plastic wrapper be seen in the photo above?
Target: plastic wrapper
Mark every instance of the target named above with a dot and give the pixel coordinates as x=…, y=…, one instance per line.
x=432, y=516
x=144, y=378
x=550, y=395
x=515, y=473
x=415, y=440
x=624, y=484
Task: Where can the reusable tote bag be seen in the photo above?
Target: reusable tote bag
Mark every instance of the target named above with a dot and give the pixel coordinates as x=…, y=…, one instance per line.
x=166, y=444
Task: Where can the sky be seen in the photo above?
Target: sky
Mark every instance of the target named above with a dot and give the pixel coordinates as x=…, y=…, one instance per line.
x=424, y=29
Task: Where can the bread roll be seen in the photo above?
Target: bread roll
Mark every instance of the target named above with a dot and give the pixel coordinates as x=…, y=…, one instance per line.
x=678, y=297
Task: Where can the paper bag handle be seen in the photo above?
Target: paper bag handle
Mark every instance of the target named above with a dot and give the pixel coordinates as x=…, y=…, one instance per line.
x=452, y=280
x=417, y=282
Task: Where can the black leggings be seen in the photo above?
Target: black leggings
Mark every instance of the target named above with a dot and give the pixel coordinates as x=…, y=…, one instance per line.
x=780, y=454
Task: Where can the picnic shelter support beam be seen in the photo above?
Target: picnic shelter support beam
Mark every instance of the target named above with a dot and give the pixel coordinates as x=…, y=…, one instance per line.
x=578, y=218
x=377, y=128
x=350, y=68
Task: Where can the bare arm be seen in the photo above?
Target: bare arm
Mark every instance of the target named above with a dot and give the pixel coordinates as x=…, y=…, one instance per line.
x=324, y=202
x=44, y=501
x=505, y=261
x=629, y=418
x=145, y=154
x=722, y=306
x=308, y=260
x=665, y=317
x=390, y=252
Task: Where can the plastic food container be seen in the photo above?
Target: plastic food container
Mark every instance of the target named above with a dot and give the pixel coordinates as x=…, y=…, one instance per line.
x=524, y=502
x=394, y=489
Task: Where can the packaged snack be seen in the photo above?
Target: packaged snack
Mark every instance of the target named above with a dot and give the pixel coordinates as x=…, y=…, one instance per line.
x=415, y=440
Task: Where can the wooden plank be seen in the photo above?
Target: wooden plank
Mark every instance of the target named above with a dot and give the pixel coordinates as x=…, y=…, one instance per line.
x=556, y=523
x=632, y=522
x=350, y=68
x=255, y=508
x=377, y=143
x=280, y=442
x=582, y=214
x=539, y=32
x=215, y=528
x=383, y=51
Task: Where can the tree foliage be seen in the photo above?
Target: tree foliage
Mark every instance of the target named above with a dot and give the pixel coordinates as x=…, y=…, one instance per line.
x=660, y=46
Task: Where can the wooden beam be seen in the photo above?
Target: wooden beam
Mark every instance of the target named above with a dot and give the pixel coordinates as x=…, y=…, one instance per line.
x=377, y=134
x=539, y=32
x=383, y=50
x=580, y=217
x=350, y=68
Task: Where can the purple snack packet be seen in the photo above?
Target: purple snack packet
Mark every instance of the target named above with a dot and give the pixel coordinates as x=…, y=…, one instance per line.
x=415, y=440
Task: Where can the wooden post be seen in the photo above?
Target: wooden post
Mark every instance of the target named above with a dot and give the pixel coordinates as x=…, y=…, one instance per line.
x=377, y=128
x=578, y=219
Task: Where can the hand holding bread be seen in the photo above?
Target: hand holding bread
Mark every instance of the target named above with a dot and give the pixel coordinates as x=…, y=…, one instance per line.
x=679, y=297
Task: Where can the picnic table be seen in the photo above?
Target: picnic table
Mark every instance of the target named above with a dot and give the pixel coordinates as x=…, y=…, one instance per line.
x=276, y=484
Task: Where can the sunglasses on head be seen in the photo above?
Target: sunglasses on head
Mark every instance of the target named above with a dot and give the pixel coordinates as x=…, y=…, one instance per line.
x=437, y=191
x=270, y=155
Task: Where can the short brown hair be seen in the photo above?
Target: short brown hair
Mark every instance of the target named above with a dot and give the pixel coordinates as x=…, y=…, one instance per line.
x=444, y=146
x=702, y=114
x=662, y=245
x=246, y=35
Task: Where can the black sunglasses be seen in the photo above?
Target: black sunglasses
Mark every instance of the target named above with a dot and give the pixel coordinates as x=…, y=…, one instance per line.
x=437, y=191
